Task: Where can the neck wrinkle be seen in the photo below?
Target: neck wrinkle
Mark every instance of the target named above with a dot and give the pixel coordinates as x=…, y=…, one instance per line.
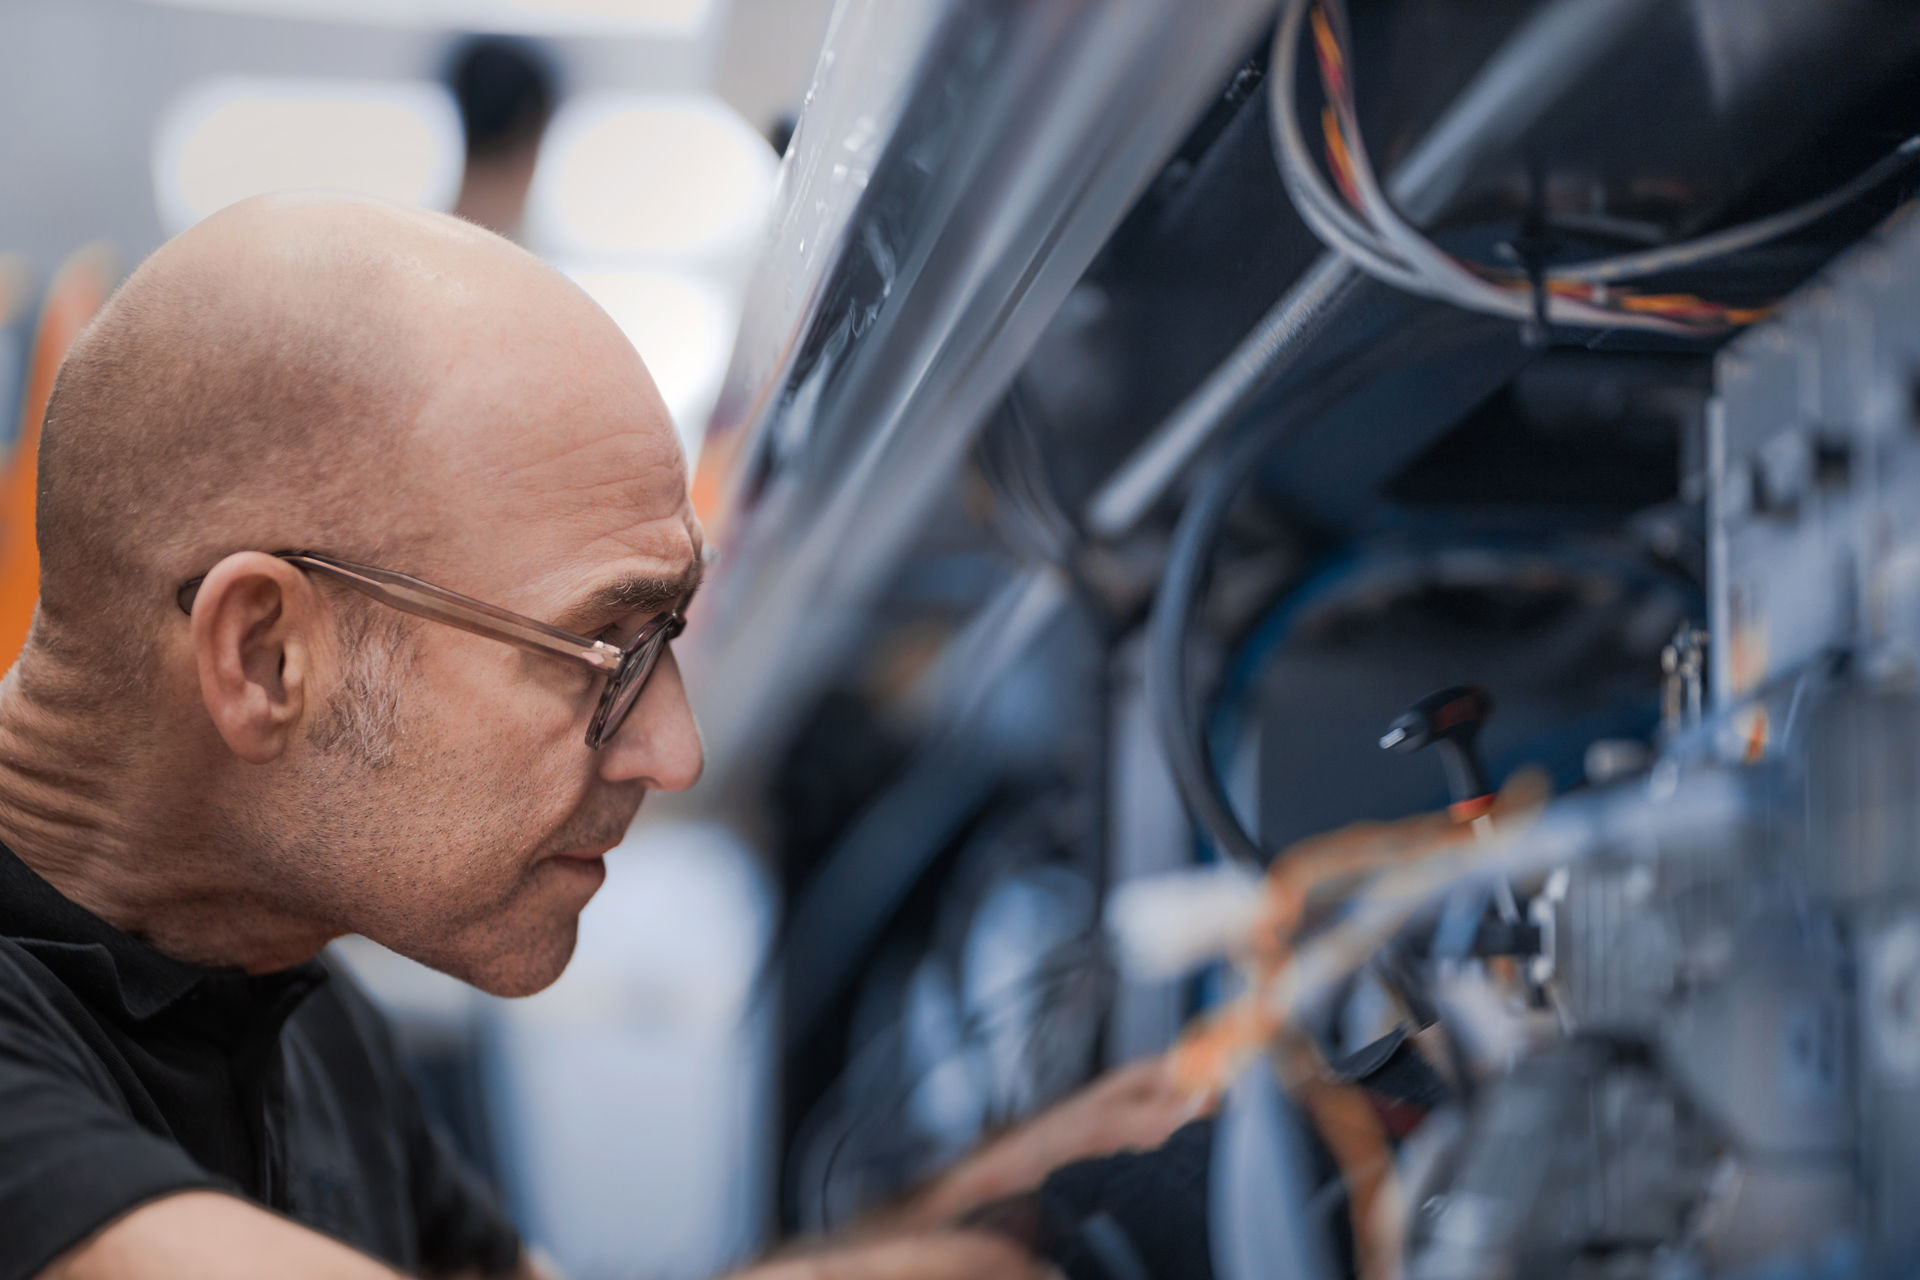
x=58, y=778
x=92, y=816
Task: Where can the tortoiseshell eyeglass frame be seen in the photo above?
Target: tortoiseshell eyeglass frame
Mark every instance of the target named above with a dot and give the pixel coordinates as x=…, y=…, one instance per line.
x=626, y=667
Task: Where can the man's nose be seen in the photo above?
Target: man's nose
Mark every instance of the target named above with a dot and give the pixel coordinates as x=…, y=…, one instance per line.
x=659, y=744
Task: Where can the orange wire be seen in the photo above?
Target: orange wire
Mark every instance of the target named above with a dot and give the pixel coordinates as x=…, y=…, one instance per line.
x=1339, y=159
x=1354, y=1137
x=1679, y=306
x=1333, y=66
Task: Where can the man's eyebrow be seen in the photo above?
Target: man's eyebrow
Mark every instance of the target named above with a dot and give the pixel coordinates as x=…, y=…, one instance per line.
x=638, y=593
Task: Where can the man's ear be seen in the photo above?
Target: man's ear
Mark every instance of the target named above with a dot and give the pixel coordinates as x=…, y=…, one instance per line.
x=253, y=629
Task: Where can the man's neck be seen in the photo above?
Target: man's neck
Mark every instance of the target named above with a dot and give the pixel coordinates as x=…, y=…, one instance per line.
x=99, y=821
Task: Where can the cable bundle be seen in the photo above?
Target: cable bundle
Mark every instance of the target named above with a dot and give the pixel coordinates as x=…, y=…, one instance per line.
x=1362, y=224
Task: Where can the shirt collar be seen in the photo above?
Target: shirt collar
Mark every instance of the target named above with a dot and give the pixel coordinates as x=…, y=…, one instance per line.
x=116, y=972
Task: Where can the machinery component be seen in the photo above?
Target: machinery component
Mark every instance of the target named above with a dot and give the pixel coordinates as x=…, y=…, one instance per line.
x=1815, y=546
x=1061, y=225
x=1450, y=722
x=1762, y=982
x=922, y=243
x=1189, y=563
x=1521, y=1201
x=1683, y=663
x=1387, y=246
x=1814, y=549
x=1570, y=628
x=1731, y=1076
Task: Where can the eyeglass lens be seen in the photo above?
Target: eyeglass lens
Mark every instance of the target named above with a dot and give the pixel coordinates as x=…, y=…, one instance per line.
x=625, y=685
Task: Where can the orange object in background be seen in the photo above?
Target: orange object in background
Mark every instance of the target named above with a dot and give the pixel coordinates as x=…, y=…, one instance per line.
x=78, y=289
x=714, y=479
x=15, y=294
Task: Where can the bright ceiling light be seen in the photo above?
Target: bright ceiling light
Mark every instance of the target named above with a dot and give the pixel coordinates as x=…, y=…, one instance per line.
x=529, y=17
x=682, y=325
x=228, y=138
x=656, y=176
x=679, y=15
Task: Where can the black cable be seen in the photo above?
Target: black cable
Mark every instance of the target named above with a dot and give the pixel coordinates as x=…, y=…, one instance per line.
x=1079, y=959
x=1190, y=561
x=1044, y=981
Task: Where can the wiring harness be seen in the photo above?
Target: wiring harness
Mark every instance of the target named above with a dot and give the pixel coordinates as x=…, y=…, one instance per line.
x=1362, y=224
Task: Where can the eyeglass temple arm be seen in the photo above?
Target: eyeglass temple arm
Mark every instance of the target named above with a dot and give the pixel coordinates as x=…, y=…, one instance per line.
x=423, y=599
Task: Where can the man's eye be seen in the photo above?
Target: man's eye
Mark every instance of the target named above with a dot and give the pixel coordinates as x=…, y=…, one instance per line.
x=621, y=633
x=616, y=633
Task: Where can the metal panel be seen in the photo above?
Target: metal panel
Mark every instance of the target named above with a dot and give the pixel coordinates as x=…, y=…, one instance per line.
x=1025, y=133
x=1815, y=549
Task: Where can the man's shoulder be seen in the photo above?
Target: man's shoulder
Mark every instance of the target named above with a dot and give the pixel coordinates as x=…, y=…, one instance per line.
x=46, y=1026
x=31, y=994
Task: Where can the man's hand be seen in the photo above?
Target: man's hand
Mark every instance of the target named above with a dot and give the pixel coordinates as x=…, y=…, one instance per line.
x=1134, y=1108
x=934, y=1255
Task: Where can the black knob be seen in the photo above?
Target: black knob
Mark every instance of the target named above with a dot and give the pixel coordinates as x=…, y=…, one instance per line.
x=1450, y=720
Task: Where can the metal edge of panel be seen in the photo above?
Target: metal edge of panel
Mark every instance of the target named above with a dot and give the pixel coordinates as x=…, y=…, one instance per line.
x=1028, y=131
x=868, y=62
x=1518, y=82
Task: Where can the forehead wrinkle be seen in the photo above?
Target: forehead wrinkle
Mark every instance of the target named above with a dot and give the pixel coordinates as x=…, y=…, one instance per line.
x=660, y=559
x=607, y=481
x=542, y=529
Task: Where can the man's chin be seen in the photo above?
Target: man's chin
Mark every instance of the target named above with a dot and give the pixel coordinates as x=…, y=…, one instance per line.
x=523, y=946
x=515, y=983
x=510, y=957
x=520, y=971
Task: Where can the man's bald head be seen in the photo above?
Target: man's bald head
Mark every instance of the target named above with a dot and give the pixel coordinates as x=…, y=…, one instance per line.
x=378, y=385
x=252, y=385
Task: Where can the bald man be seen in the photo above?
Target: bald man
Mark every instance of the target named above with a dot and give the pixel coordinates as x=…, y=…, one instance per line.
x=363, y=537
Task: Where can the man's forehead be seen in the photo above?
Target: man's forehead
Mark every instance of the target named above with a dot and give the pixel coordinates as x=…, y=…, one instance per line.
x=554, y=458
x=575, y=537
x=529, y=369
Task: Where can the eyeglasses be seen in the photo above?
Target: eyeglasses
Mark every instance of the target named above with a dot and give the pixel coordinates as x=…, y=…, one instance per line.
x=626, y=666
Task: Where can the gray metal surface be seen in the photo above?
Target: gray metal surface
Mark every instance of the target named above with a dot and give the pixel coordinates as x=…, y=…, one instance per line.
x=1815, y=538
x=1737, y=1082
x=1526, y=1202
x=1022, y=135
x=1531, y=71
x=1815, y=545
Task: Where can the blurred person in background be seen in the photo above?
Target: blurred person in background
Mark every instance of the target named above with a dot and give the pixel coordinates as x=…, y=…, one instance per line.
x=505, y=91
x=364, y=536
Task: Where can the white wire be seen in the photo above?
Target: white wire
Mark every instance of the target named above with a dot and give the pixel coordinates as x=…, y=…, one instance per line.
x=1445, y=277
x=1389, y=248
x=1650, y=262
x=1430, y=274
x=1317, y=205
x=1711, y=807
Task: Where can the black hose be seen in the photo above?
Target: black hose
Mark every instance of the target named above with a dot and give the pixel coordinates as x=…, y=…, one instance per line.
x=1190, y=560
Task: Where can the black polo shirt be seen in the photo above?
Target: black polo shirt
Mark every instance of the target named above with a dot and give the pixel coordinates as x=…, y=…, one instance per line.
x=126, y=1075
